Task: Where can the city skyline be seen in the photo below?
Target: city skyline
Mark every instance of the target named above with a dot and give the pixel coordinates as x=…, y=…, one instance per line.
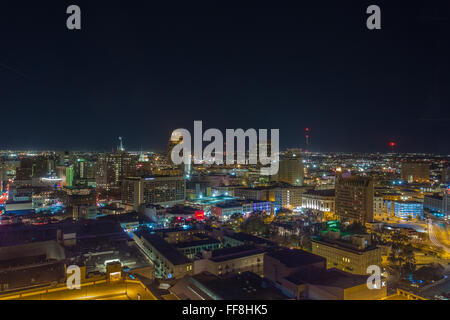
x=143, y=71
x=267, y=155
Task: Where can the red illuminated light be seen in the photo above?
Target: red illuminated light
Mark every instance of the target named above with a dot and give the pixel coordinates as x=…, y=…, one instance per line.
x=199, y=215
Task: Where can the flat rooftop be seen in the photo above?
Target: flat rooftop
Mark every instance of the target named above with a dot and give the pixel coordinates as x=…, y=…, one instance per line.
x=295, y=257
x=229, y=204
x=245, y=237
x=224, y=254
x=331, y=277
x=246, y=286
x=196, y=243
x=164, y=248
x=343, y=245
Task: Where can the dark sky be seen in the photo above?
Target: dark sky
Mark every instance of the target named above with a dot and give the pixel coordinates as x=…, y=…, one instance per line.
x=140, y=69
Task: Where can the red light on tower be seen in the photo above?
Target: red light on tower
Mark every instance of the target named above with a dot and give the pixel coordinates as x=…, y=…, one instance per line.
x=392, y=145
x=307, y=139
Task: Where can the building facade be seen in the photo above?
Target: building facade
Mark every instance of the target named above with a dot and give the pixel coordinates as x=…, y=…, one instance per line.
x=321, y=200
x=352, y=256
x=288, y=197
x=291, y=169
x=354, y=198
x=161, y=190
x=415, y=172
x=405, y=209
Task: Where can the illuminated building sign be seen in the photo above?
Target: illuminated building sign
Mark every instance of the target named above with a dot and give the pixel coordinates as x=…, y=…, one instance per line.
x=199, y=215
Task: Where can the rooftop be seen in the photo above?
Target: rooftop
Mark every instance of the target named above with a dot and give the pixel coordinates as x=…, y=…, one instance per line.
x=245, y=237
x=294, y=257
x=197, y=243
x=246, y=286
x=322, y=193
x=164, y=248
x=331, y=277
x=224, y=254
x=343, y=245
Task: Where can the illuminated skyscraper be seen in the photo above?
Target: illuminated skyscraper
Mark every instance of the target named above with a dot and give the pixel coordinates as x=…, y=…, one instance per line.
x=291, y=169
x=70, y=176
x=186, y=168
x=162, y=190
x=354, y=198
x=112, y=168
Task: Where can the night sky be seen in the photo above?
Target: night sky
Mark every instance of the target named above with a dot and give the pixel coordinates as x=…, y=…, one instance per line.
x=140, y=69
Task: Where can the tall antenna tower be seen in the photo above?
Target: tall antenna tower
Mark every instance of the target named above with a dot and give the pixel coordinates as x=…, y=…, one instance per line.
x=121, y=148
x=307, y=139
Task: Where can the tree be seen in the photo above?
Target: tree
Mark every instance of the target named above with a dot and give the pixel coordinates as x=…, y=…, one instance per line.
x=393, y=256
x=402, y=258
x=255, y=225
x=409, y=260
x=356, y=228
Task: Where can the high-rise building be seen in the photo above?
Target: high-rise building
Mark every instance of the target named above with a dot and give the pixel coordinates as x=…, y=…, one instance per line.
x=162, y=190
x=413, y=171
x=70, y=176
x=354, y=198
x=80, y=202
x=81, y=168
x=41, y=166
x=446, y=203
x=445, y=175
x=25, y=170
x=112, y=168
x=184, y=168
x=291, y=169
x=170, y=146
x=438, y=204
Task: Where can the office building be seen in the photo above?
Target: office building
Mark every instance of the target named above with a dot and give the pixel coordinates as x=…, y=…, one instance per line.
x=160, y=190
x=291, y=169
x=257, y=193
x=350, y=253
x=233, y=260
x=112, y=168
x=280, y=264
x=415, y=171
x=378, y=205
x=80, y=202
x=169, y=262
x=404, y=209
x=438, y=204
x=244, y=286
x=331, y=284
x=223, y=211
x=196, y=247
x=321, y=200
x=354, y=198
x=289, y=197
